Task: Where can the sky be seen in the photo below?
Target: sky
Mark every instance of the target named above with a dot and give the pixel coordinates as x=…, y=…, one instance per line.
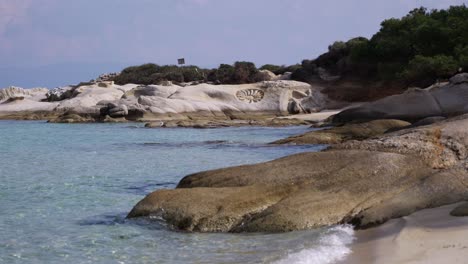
x=49, y=43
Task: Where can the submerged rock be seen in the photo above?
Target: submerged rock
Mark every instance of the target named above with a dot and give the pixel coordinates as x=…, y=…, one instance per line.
x=206, y=123
x=71, y=118
x=359, y=182
x=340, y=134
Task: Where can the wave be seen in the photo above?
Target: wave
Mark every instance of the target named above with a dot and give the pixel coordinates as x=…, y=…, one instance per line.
x=332, y=247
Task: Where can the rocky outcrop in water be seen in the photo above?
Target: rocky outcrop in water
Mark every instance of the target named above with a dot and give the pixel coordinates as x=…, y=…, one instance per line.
x=206, y=123
x=359, y=182
x=104, y=100
x=340, y=134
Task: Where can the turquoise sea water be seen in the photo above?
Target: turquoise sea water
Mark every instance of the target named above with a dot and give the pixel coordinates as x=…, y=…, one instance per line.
x=65, y=190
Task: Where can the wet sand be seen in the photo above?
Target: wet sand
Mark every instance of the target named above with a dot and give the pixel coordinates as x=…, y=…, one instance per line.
x=427, y=236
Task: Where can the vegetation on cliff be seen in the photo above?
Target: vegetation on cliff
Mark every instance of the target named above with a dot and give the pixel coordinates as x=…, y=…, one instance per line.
x=415, y=50
x=153, y=74
x=240, y=72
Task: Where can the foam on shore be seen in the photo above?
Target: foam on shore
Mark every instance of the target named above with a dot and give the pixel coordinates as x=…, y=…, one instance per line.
x=333, y=246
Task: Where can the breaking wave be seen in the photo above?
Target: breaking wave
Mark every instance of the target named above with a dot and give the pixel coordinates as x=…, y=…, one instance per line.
x=333, y=246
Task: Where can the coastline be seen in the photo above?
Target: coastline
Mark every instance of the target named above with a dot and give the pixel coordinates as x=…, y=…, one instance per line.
x=261, y=103
x=185, y=120
x=427, y=236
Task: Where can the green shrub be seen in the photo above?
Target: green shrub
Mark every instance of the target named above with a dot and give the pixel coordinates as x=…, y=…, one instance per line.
x=154, y=74
x=401, y=48
x=137, y=74
x=239, y=73
x=337, y=46
x=271, y=67
x=192, y=73
x=428, y=69
x=462, y=55
x=278, y=70
x=224, y=73
x=174, y=76
x=245, y=72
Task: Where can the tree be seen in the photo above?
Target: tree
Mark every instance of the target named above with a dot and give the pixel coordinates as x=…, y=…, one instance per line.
x=426, y=70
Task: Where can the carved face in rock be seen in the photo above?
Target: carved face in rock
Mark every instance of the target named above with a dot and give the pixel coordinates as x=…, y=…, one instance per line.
x=250, y=95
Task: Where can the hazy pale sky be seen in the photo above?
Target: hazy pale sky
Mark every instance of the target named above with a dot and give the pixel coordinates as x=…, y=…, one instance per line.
x=57, y=42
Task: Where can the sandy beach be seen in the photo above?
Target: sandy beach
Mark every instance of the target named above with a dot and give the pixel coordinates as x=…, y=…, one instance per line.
x=427, y=236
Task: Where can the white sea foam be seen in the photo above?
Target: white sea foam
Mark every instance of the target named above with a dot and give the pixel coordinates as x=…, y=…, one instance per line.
x=332, y=247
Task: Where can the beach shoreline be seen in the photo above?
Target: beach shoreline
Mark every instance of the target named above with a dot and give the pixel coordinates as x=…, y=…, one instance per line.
x=427, y=236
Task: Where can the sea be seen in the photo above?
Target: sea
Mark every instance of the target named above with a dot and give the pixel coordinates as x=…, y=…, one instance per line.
x=65, y=190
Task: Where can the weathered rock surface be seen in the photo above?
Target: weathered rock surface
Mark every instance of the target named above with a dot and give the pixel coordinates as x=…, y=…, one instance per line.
x=459, y=78
x=461, y=210
x=203, y=123
x=268, y=75
x=71, y=118
x=428, y=121
x=340, y=134
x=266, y=98
x=415, y=104
x=360, y=182
x=59, y=93
x=164, y=102
x=15, y=92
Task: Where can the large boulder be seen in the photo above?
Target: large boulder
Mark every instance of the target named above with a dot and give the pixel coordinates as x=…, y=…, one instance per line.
x=415, y=104
x=459, y=78
x=86, y=99
x=412, y=105
x=359, y=182
x=60, y=93
x=267, y=75
x=292, y=193
x=112, y=109
x=452, y=98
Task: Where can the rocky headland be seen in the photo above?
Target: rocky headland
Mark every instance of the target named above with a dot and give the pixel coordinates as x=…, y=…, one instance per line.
x=389, y=158
x=168, y=104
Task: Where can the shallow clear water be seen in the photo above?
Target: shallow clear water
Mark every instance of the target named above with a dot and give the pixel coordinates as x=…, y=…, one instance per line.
x=65, y=190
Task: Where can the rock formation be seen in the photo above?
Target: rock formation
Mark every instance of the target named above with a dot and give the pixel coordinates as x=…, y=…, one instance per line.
x=359, y=182
x=415, y=104
x=204, y=123
x=460, y=211
x=98, y=101
x=60, y=93
x=33, y=94
x=340, y=134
